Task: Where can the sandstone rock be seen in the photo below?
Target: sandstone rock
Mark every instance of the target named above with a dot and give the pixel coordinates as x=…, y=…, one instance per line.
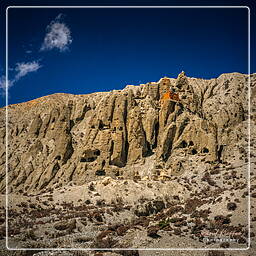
x=119, y=133
x=165, y=145
x=64, y=138
x=136, y=136
x=151, y=90
x=182, y=81
x=35, y=126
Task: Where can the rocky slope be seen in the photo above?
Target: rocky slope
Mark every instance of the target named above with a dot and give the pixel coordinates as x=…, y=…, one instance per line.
x=156, y=169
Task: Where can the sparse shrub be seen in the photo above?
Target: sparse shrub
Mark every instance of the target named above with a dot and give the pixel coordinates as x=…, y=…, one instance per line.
x=29, y=234
x=103, y=240
x=207, y=178
x=103, y=234
x=2, y=220
x=45, y=203
x=33, y=206
x=107, y=242
x=82, y=239
x=221, y=220
x=91, y=187
x=192, y=204
x=100, y=202
x=129, y=253
x=152, y=231
x=174, y=220
x=141, y=221
x=2, y=233
x=164, y=223
x=216, y=253
x=149, y=208
x=87, y=201
x=149, y=185
x=231, y=206
x=122, y=230
x=224, y=245
x=23, y=204
x=177, y=231
x=97, y=216
x=66, y=225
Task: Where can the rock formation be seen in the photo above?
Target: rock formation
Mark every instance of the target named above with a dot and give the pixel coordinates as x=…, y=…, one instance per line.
x=63, y=138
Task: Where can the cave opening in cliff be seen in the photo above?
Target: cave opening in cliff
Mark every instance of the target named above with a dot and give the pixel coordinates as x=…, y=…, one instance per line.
x=156, y=128
x=101, y=125
x=100, y=173
x=205, y=150
x=184, y=144
x=191, y=143
x=219, y=153
x=194, y=151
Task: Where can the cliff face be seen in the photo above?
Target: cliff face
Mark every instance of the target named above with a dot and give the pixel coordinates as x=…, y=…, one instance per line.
x=63, y=138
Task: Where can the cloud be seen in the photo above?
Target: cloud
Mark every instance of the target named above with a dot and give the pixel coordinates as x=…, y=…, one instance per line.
x=22, y=69
x=58, y=35
x=3, y=87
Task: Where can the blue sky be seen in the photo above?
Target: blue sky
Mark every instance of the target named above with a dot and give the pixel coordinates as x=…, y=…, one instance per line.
x=93, y=50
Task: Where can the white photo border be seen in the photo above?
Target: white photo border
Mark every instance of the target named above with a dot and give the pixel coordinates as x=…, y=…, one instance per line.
x=139, y=249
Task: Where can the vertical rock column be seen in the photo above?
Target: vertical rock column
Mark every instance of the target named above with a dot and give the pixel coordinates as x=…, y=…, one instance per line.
x=136, y=136
x=119, y=132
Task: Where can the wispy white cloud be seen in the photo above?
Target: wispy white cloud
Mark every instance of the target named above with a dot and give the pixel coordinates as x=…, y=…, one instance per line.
x=21, y=69
x=3, y=83
x=58, y=35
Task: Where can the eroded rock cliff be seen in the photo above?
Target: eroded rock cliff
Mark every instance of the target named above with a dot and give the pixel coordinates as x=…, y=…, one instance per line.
x=63, y=138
